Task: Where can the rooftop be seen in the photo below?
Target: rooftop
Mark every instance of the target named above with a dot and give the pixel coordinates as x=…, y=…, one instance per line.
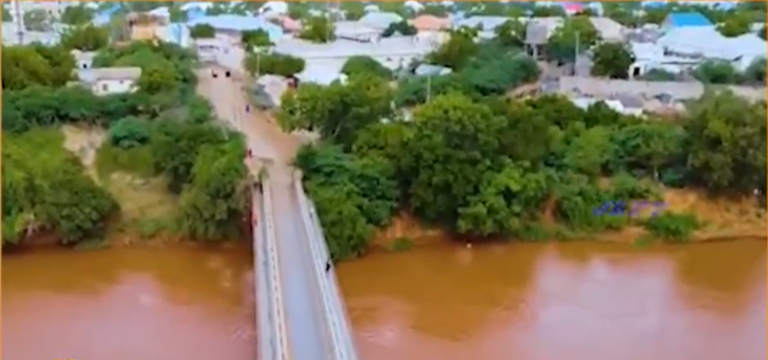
x=688, y=19
x=109, y=73
x=688, y=40
x=393, y=46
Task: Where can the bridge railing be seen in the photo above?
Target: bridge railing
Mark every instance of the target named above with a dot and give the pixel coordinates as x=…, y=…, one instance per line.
x=333, y=303
x=276, y=347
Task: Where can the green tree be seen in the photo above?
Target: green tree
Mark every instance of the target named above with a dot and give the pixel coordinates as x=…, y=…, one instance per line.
x=357, y=65
x=7, y=15
x=338, y=111
x=85, y=38
x=589, y=152
x=37, y=20
x=353, y=10
x=212, y=207
x=400, y=27
x=455, y=52
x=175, y=147
x=454, y=144
x=130, y=132
x=735, y=25
x=202, y=31
x=612, y=60
x=755, y=73
x=575, y=31
x=60, y=61
x=716, y=72
x=44, y=186
x=318, y=29
x=508, y=201
x=727, y=143
x=511, y=33
x=24, y=67
x=77, y=15
x=253, y=39
x=275, y=64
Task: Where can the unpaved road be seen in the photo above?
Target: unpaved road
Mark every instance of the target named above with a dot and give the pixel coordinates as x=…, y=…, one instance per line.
x=306, y=327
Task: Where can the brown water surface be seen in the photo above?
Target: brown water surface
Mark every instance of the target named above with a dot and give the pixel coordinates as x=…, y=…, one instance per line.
x=577, y=301
x=128, y=304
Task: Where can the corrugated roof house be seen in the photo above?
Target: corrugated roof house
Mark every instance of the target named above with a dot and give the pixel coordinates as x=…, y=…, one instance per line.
x=682, y=20
x=238, y=23
x=380, y=20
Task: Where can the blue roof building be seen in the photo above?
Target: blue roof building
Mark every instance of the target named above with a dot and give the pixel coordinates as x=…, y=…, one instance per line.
x=238, y=23
x=688, y=19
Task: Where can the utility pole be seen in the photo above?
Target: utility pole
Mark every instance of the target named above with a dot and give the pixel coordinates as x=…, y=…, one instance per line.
x=19, y=17
x=429, y=88
x=576, y=54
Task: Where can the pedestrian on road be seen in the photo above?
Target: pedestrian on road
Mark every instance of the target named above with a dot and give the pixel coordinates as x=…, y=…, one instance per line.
x=328, y=265
x=247, y=108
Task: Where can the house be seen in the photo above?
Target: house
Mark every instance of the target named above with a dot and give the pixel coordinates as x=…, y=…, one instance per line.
x=684, y=20
x=430, y=23
x=289, y=25
x=274, y=8
x=323, y=62
x=107, y=81
x=485, y=24
x=230, y=27
x=572, y=8
x=83, y=59
x=356, y=31
x=539, y=30
x=145, y=26
x=380, y=20
x=698, y=44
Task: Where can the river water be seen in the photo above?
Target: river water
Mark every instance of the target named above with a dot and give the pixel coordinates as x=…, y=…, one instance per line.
x=569, y=301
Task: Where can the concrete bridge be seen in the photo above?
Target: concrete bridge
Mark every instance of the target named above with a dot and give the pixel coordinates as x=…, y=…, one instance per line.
x=300, y=312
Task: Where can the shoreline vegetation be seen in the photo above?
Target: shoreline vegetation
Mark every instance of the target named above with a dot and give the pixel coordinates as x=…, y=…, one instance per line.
x=154, y=167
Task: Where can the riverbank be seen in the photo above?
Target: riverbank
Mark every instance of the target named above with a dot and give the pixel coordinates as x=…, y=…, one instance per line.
x=723, y=219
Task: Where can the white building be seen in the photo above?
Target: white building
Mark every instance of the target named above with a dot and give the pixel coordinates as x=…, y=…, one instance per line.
x=106, y=81
x=83, y=59
x=682, y=49
x=324, y=61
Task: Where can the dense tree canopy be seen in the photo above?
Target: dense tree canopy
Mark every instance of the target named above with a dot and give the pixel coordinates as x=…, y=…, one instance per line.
x=77, y=15
x=487, y=166
x=274, y=64
x=85, y=38
x=612, y=60
x=202, y=31
x=577, y=34
x=358, y=65
x=317, y=29
x=46, y=186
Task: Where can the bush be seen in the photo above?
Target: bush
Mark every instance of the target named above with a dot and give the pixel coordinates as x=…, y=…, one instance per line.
x=130, y=132
x=673, y=227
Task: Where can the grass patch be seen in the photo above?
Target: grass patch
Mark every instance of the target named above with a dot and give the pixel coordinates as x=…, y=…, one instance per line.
x=111, y=159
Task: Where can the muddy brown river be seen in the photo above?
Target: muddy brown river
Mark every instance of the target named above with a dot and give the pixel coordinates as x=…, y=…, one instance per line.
x=575, y=301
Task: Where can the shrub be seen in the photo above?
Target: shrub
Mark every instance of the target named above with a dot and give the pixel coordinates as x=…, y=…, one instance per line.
x=129, y=132
x=673, y=227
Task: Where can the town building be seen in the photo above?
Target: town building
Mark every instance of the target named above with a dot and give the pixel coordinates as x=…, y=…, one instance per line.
x=684, y=20
x=112, y=80
x=230, y=28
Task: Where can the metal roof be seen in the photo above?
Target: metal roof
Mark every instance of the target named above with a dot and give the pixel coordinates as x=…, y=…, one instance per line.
x=688, y=19
x=239, y=23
